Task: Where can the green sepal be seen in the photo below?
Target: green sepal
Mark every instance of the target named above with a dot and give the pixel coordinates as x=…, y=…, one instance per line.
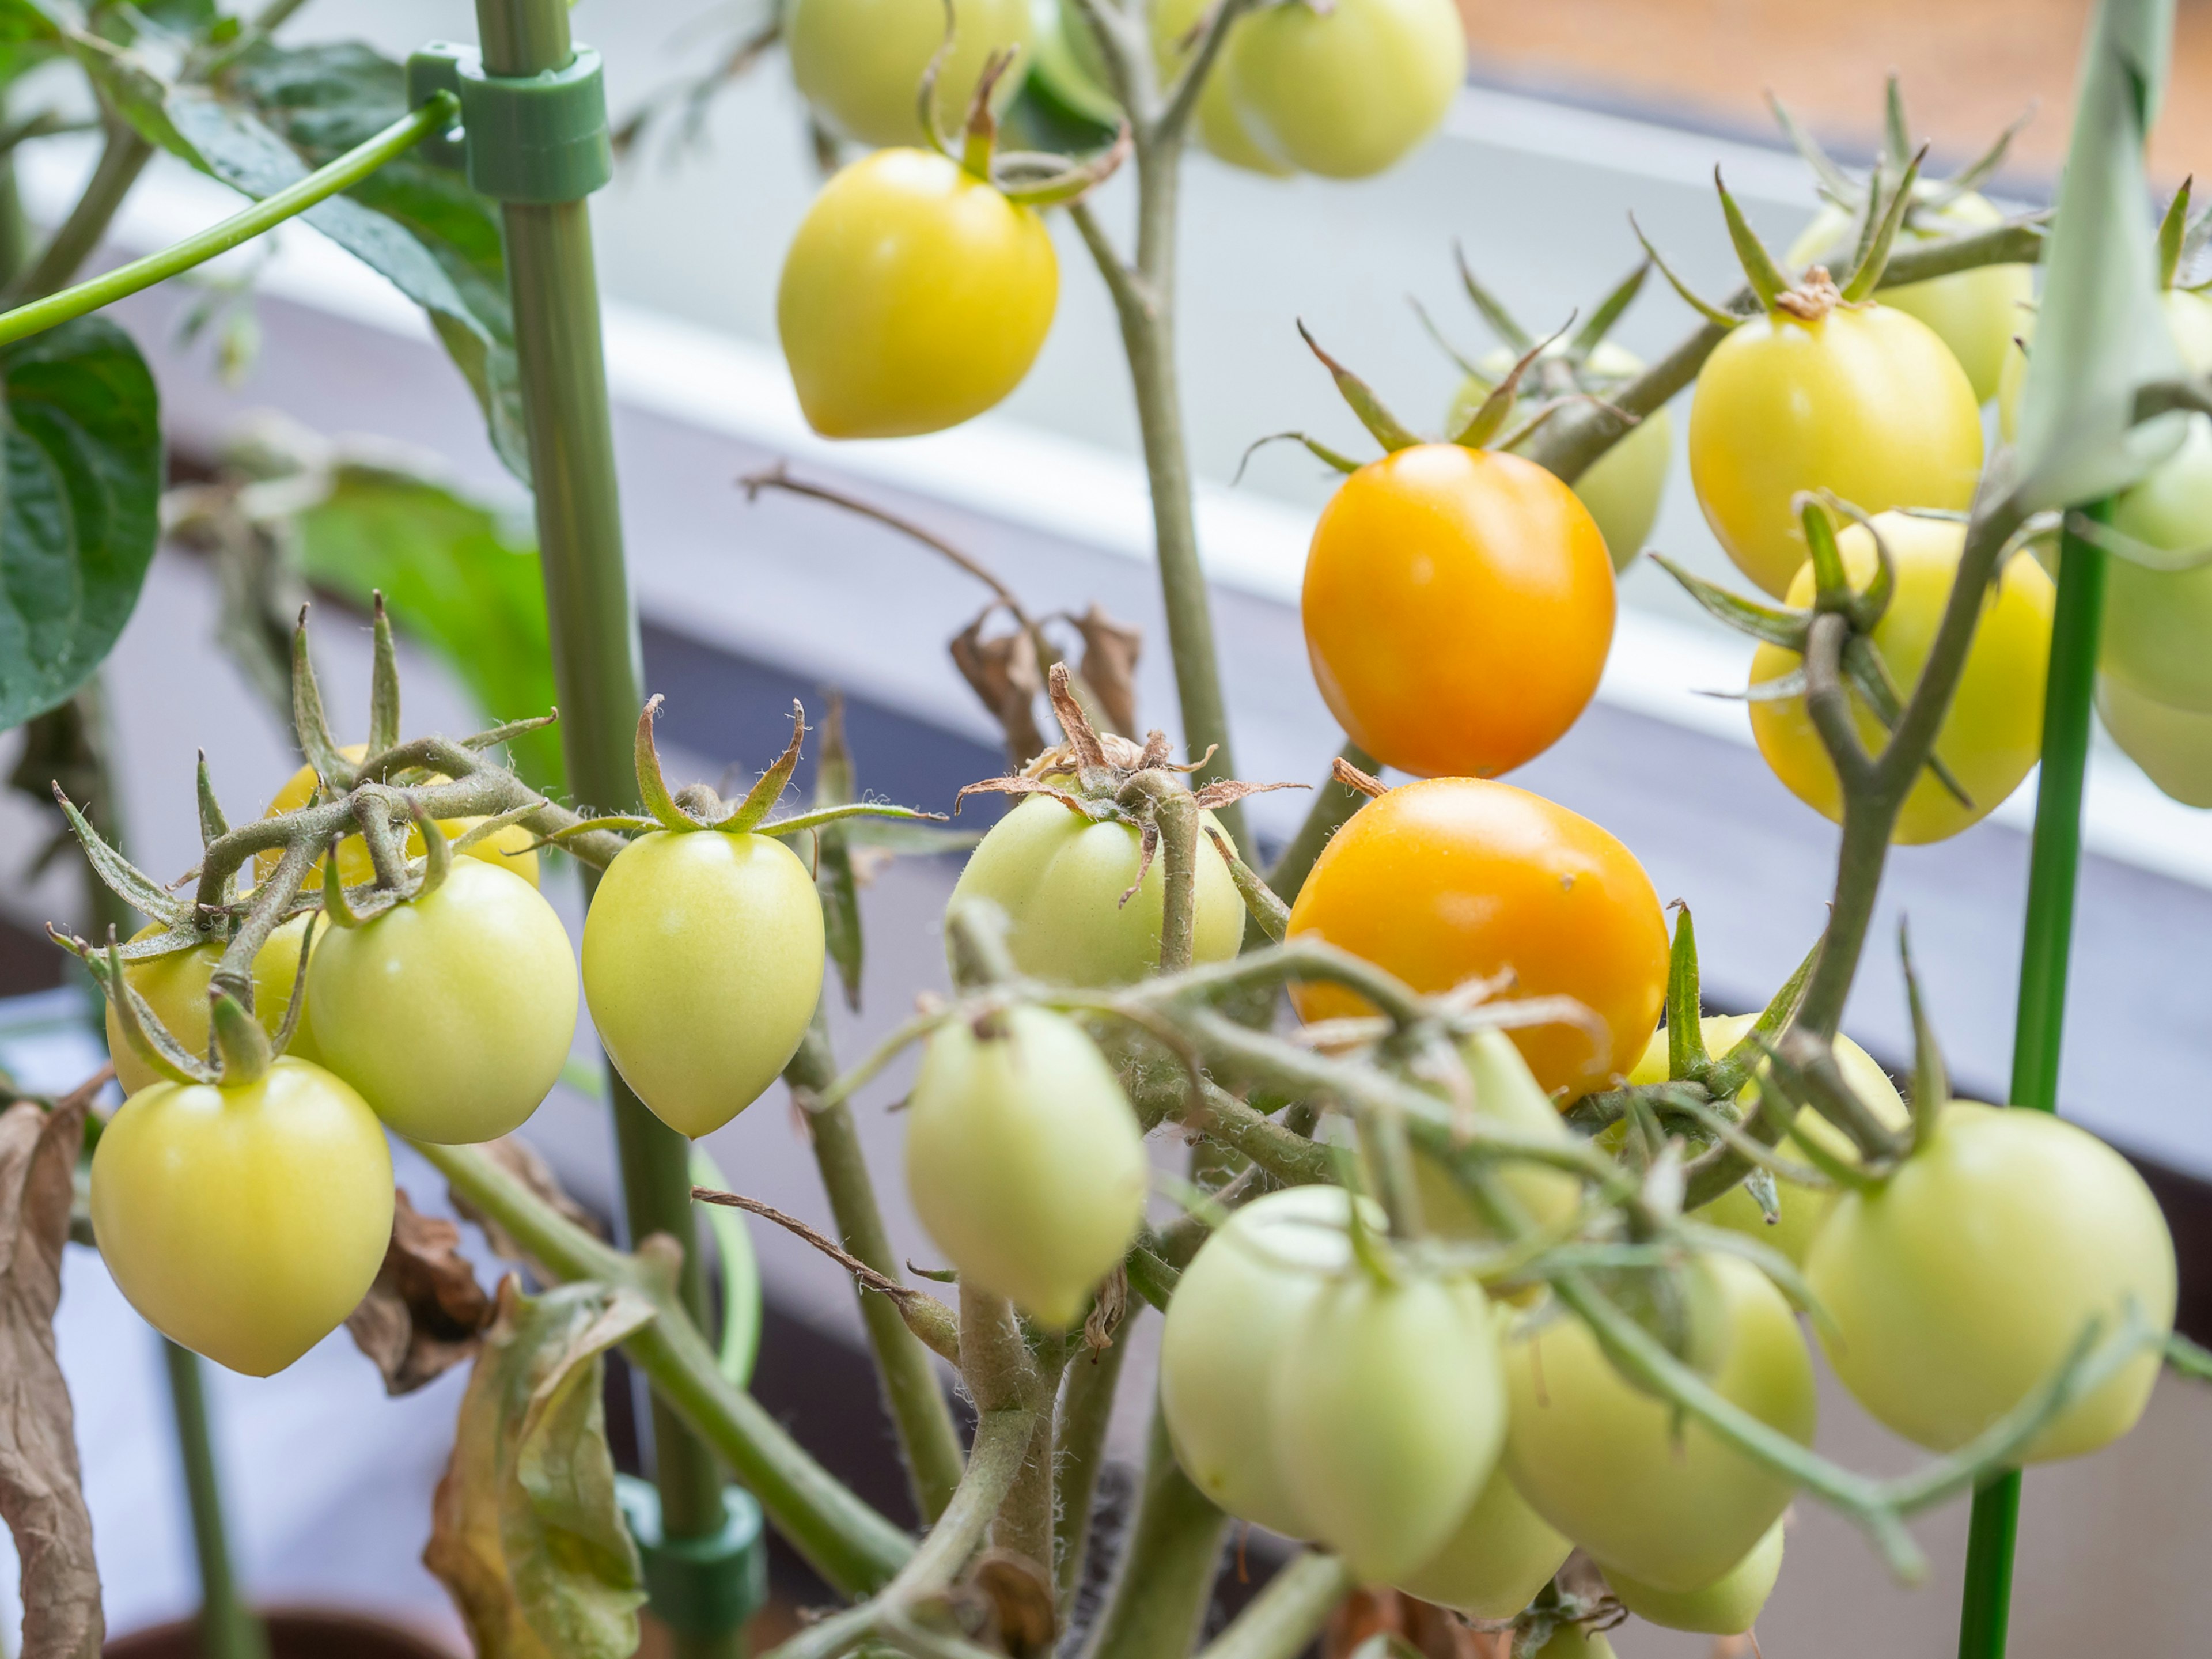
x=147, y=1035
x=119, y=875
x=1931, y=1079
x=1781, y=689
x=919, y=839
x=238, y=1045
x=309, y=722
x=835, y=883
x=437, y=853
x=1686, y=1058
x=1487, y=421
x=2121, y=545
x=1831, y=588
x=1260, y=900
x=1733, y=1069
x=1689, y=297
x=652, y=783
x=1592, y=333
x=336, y=905
x=1868, y=672
x=2188, y=1359
x=477, y=834
x=1370, y=1253
x=1980, y=171
x=296, y=1004
x=1801, y=1091
x=213, y=824
x=2173, y=230
x=1779, y=625
x=1870, y=607
x=819, y=817
x=1320, y=450
x=182, y=935
x=1766, y=277
x=619, y=823
x=1896, y=130
x=1381, y=425
x=1502, y=322
x=1428, y=323
x=1874, y=258
x=1833, y=182
x=508, y=730
x=764, y=794
x=383, y=682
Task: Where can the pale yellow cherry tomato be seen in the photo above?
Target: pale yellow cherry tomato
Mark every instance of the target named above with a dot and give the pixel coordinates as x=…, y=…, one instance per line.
x=2173, y=745
x=1801, y=1208
x=1506, y=1094
x=860, y=63
x=510, y=848
x=246, y=1223
x=1347, y=89
x=1221, y=126
x=1993, y=733
x=1865, y=401
x=1728, y=1607
x=914, y=297
x=1503, y=1553
x=175, y=987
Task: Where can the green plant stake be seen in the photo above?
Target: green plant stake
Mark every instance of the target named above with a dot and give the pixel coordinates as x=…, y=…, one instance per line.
x=227, y=1629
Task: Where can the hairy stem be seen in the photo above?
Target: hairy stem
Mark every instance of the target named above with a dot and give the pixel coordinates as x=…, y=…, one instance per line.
x=1166, y=1570
x=1086, y=1410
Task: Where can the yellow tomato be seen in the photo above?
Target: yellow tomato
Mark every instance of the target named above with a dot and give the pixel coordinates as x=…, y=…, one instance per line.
x=1865, y=401
x=1993, y=733
x=860, y=63
x=175, y=987
x=1728, y=1607
x=1346, y=90
x=1503, y=1553
x=509, y=848
x=915, y=296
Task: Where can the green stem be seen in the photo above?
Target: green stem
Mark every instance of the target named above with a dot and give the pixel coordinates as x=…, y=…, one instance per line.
x=848, y=1543
x=1286, y=1616
x=928, y=1437
x=2054, y=868
x=63, y=255
x=1166, y=1570
x=1334, y=805
x=121, y=161
x=1086, y=1409
x=228, y=1629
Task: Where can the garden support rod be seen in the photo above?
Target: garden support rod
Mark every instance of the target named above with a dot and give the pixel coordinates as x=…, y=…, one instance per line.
x=2053, y=871
x=554, y=287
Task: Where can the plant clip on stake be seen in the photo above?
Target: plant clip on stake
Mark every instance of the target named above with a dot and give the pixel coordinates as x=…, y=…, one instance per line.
x=533, y=136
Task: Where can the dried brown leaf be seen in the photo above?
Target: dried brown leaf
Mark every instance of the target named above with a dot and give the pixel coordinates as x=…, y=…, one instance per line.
x=1353, y=778
x=521, y=1159
x=1003, y=671
x=1229, y=789
x=1018, y=1599
x=1111, y=650
x=425, y=1313
x=1110, y=1307
x=41, y=1495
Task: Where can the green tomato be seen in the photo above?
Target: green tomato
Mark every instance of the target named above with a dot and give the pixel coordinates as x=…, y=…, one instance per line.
x=1730, y=1605
x=1503, y=1553
x=1801, y=1209
x=175, y=987
x=1975, y=313
x=860, y=63
x=914, y=297
x=1221, y=127
x=1965, y=1281
x=1347, y=90
x=702, y=965
x=1506, y=1093
x=2173, y=745
x=1622, y=488
x=1610, y=1466
x=2158, y=624
x=1388, y=1409
x=1024, y=1159
x=1575, y=1642
x=1059, y=879
x=245, y=1224
x=451, y=1013
x=1222, y=1345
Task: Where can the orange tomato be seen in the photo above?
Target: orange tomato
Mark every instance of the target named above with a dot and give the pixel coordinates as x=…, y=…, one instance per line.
x=1457, y=878
x=1458, y=608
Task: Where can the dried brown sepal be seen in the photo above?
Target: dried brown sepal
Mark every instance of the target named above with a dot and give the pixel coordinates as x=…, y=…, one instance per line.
x=1002, y=670
x=1812, y=298
x=1148, y=847
x=1074, y=724
x=41, y=1494
x=519, y=1158
x=1111, y=650
x=1223, y=790
x=1351, y=777
x=1073, y=802
x=425, y=1313
x=1107, y=1310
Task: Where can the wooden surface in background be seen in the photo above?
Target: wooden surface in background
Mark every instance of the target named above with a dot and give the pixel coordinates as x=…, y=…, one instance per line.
x=1969, y=67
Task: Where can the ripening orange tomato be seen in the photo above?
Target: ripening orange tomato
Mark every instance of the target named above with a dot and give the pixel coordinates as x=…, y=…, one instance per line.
x=1458, y=878
x=1458, y=608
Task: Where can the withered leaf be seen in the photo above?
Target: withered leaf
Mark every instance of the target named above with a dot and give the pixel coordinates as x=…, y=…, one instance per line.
x=1110, y=649
x=1018, y=1603
x=525, y=1534
x=521, y=1159
x=40, y=1492
x=1004, y=672
x=425, y=1313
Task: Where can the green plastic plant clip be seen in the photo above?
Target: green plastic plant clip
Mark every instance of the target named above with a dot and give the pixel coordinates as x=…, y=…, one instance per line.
x=704, y=1586
x=536, y=138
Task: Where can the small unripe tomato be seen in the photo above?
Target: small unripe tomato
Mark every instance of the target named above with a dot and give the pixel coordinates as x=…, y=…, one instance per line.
x=1389, y=1410
x=175, y=987
x=1506, y=1093
x=1967, y=1278
x=1459, y=878
x=1222, y=1345
x=510, y=848
x=1613, y=1468
x=702, y=965
x=1575, y=1642
x=451, y=1013
x=1992, y=734
x=1221, y=126
x=1503, y=1553
x=2158, y=623
x=1024, y=1159
x=2173, y=745
x=915, y=296
x=1975, y=313
x=860, y=63
x=1801, y=1209
x=1059, y=877
x=1622, y=487
x=1458, y=607
x=1346, y=90
x=1730, y=1605
x=1865, y=401
x=246, y=1223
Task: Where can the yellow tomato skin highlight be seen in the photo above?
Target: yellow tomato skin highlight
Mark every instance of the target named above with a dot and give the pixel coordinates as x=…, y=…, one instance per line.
x=1867, y=403
x=1992, y=735
x=244, y=1224
x=914, y=297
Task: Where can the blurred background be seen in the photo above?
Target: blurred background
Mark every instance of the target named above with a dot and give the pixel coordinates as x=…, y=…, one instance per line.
x=1577, y=112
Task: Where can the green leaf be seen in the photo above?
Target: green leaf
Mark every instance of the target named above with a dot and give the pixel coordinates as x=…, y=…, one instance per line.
x=28, y=37
x=457, y=577
x=82, y=454
x=527, y=1535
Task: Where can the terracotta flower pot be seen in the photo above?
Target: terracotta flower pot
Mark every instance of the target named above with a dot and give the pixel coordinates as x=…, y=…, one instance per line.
x=292, y=1635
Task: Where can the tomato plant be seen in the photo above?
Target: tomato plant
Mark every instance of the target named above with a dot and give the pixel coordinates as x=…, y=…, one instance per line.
x=860, y=63
x=1024, y=1160
x=1617, y=1471
x=175, y=987
x=243, y=1222
x=915, y=296
x=509, y=847
x=1964, y=1279
x=697, y=1029
x=1458, y=605
x=1458, y=878
x=1728, y=1607
x=451, y=1012
x=1994, y=731
x=1347, y=90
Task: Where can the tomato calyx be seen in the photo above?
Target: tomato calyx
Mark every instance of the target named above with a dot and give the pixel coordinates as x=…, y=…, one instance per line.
x=240, y=1049
x=1562, y=370
x=1032, y=179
